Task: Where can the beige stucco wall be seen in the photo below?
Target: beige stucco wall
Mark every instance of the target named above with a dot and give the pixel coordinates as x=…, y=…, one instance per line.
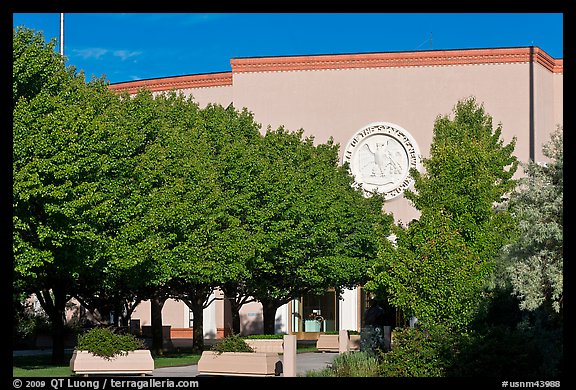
x=217, y=95
x=251, y=318
x=548, y=106
x=142, y=313
x=174, y=313
x=339, y=102
x=558, y=96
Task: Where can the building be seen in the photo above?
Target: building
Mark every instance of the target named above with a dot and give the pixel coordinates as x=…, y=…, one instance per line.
x=380, y=108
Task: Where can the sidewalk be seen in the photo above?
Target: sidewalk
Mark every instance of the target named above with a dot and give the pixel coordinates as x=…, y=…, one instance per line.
x=306, y=361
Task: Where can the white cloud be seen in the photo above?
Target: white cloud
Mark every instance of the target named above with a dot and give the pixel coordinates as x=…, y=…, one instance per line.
x=91, y=52
x=125, y=54
x=98, y=53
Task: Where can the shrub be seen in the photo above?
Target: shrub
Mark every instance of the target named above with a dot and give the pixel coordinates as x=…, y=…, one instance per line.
x=501, y=351
x=325, y=372
x=232, y=343
x=27, y=326
x=350, y=364
x=355, y=364
x=420, y=352
x=107, y=343
x=373, y=340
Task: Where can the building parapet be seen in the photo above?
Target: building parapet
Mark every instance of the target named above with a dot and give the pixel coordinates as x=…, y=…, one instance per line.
x=396, y=59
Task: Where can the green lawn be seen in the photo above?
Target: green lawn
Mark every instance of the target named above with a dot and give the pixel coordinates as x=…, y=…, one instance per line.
x=38, y=365
x=176, y=359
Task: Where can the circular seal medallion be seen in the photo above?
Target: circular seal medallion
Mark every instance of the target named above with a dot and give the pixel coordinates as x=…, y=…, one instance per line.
x=380, y=156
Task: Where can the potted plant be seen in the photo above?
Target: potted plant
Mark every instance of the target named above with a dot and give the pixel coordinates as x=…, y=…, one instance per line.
x=102, y=350
x=234, y=357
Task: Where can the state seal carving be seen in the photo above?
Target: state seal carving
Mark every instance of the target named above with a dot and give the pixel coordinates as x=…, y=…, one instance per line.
x=380, y=156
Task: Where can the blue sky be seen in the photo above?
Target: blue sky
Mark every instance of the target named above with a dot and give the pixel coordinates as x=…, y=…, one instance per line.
x=135, y=46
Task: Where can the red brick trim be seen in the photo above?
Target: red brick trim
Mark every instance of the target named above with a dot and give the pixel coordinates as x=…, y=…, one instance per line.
x=553, y=65
x=558, y=66
x=176, y=83
x=181, y=333
x=400, y=59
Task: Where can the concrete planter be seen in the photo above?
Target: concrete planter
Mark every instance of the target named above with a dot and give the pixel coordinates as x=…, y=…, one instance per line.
x=266, y=345
x=137, y=362
x=328, y=343
x=331, y=343
x=240, y=363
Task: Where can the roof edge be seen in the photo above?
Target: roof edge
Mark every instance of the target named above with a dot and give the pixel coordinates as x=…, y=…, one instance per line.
x=396, y=59
x=176, y=82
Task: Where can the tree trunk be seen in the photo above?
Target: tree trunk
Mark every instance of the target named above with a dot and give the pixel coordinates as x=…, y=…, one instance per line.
x=156, y=304
x=58, y=340
x=197, y=306
x=269, y=309
x=235, y=311
x=231, y=298
x=54, y=304
x=117, y=314
x=197, y=298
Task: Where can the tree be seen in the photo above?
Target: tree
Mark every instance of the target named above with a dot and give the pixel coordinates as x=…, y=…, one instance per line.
x=535, y=260
x=440, y=263
x=199, y=243
x=115, y=286
x=56, y=170
x=233, y=136
x=307, y=227
x=73, y=160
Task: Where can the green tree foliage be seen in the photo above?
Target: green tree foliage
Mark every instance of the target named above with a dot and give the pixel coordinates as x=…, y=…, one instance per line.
x=127, y=128
x=198, y=244
x=309, y=230
x=535, y=260
x=440, y=263
x=36, y=67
